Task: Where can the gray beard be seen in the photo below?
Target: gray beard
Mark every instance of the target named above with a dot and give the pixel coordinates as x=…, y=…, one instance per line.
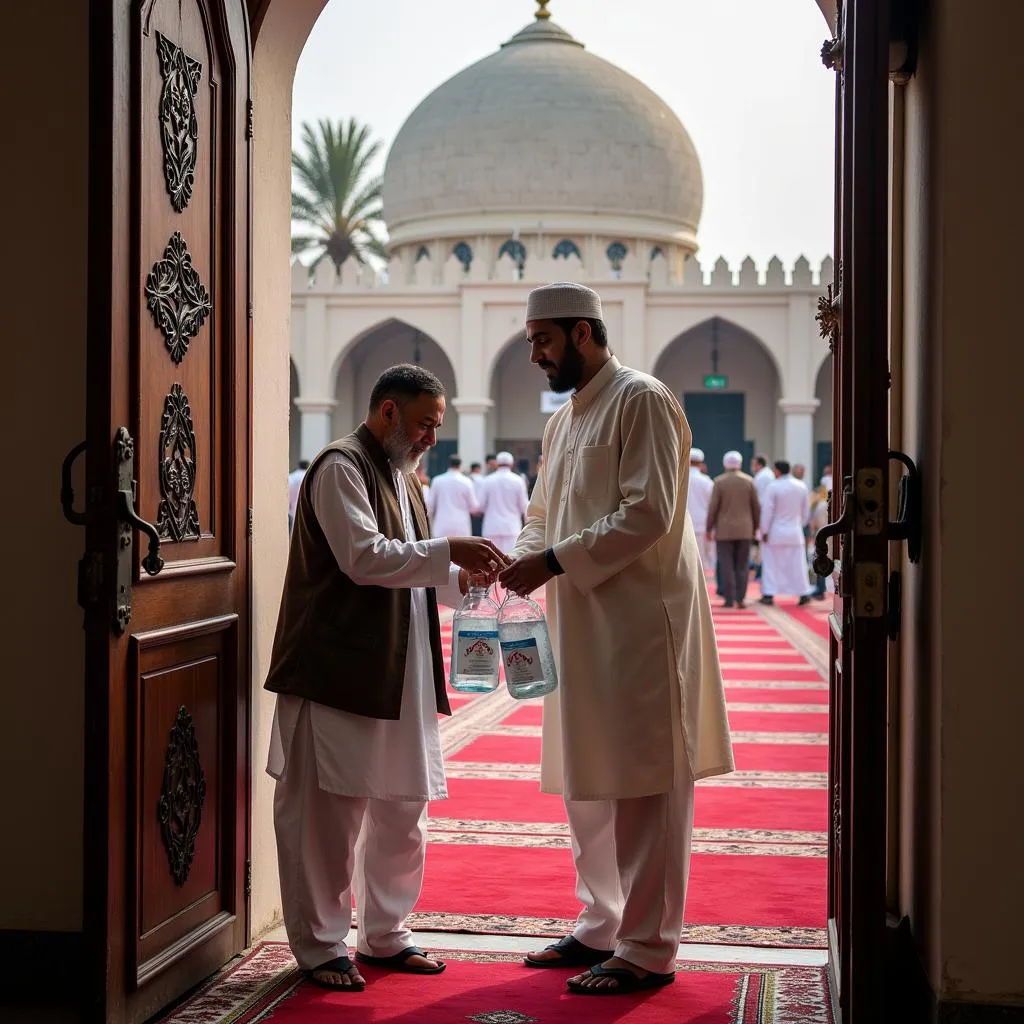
x=398, y=449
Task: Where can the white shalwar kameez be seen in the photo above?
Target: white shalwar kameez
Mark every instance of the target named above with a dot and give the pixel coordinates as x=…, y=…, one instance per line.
x=503, y=501
x=640, y=709
x=351, y=796
x=698, y=501
x=785, y=512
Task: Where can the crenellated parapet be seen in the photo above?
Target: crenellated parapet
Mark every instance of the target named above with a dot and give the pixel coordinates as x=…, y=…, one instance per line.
x=660, y=271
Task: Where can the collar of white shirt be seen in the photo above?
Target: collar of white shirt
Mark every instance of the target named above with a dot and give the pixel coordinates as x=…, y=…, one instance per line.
x=582, y=398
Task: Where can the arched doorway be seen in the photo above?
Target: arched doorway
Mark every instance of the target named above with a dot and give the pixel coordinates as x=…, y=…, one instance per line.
x=823, y=418
x=363, y=361
x=522, y=406
x=729, y=387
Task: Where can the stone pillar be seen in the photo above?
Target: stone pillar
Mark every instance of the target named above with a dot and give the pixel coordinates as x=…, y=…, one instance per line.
x=799, y=431
x=472, y=428
x=315, y=428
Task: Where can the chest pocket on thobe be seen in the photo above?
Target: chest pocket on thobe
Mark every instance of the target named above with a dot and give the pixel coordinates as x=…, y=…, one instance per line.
x=591, y=476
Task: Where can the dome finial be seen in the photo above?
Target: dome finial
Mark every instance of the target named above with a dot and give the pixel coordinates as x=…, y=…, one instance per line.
x=543, y=11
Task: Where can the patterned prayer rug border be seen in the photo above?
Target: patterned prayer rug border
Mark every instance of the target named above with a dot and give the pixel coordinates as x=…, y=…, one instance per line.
x=555, y=927
x=249, y=989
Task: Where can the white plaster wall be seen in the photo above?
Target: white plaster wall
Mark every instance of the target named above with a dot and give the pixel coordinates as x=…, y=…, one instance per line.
x=276, y=52
x=369, y=359
x=517, y=388
x=766, y=321
x=750, y=370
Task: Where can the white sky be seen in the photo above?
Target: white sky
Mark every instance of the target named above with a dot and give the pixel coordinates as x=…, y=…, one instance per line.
x=744, y=76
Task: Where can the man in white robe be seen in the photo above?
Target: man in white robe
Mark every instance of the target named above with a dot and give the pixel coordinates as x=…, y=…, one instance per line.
x=785, y=512
x=503, y=500
x=698, y=500
x=452, y=502
x=352, y=788
x=639, y=713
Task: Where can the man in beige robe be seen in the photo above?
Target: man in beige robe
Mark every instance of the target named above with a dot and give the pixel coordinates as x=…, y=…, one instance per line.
x=640, y=709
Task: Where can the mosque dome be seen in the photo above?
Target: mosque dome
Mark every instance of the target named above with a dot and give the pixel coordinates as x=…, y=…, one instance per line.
x=542, y=131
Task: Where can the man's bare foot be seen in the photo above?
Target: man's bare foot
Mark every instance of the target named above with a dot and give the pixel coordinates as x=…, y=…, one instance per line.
x=546, y=956
x=588, y=980
x=332, y=977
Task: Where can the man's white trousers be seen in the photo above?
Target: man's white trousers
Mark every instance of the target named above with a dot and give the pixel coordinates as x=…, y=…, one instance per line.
x=632, y=865
x=328, y=846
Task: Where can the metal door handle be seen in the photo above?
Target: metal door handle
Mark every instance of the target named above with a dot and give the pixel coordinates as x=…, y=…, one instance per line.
x=67, y=492
x=908, y=508
x=824, y=564
x=152, y=562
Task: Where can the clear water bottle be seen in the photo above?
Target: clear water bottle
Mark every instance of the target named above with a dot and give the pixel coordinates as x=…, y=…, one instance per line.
x=475, y=650
x=526, y=648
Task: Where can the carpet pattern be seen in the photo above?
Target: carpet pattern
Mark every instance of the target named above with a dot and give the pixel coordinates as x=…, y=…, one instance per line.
x=494, y=988
x=499, y=859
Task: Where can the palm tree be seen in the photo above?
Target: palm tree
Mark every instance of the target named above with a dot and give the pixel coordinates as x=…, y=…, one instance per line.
x=332, y=196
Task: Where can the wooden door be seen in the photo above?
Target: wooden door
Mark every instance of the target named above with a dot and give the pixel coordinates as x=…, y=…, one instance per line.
x=855, y=319
x=167, y=745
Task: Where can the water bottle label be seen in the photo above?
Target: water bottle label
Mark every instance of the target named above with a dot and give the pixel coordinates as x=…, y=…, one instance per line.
x=476, y=652
x=522, y=661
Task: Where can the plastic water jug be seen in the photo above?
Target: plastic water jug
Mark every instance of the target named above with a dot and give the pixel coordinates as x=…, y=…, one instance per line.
x=475, y=652
x=526, y=651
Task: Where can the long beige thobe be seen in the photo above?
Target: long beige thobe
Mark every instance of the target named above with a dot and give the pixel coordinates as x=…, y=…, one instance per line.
x=639, y=678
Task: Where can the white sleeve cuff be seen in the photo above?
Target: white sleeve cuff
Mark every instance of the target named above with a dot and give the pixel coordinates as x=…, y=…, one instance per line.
x=440, y=561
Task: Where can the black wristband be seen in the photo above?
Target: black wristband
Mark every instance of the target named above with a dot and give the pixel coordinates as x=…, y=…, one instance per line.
x=553, y=565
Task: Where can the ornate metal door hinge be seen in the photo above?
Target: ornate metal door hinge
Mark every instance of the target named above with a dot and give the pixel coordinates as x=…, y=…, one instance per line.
x=247, y=887
x=248, y=521
x=248, y=119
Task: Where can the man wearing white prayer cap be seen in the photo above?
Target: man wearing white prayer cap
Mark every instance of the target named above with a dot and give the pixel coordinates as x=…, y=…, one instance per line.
x=733, y=518
x=698, y=498
x=639, y=713
x=503, y=500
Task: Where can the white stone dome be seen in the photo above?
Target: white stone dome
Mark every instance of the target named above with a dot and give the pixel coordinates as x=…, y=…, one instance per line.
x=542, y=131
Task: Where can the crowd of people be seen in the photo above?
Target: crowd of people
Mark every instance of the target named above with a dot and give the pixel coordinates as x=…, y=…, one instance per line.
x=760, y=524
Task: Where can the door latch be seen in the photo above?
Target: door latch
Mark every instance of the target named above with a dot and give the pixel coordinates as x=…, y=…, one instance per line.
x=909, y=506
x=129, y=520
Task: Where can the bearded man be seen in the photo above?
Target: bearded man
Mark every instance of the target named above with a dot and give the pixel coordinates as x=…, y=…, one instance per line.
x=640, y=709
x=357, y=667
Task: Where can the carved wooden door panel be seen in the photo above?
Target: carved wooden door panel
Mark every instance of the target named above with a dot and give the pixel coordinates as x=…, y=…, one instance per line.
x=854, y=319
x=167, y=759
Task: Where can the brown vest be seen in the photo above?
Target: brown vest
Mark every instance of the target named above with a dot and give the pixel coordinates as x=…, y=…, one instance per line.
x=339, y=643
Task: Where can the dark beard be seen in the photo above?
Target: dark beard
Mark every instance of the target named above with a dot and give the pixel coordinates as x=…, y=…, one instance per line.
x=569, y=371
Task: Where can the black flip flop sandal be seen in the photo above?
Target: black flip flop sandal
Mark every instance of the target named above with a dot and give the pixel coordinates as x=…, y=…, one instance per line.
x=399, y=962
x=340, y=964
x=572, y=953
x=627, y=982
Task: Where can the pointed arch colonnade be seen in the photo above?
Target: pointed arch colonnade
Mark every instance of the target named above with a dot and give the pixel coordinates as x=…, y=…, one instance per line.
x=757, y=332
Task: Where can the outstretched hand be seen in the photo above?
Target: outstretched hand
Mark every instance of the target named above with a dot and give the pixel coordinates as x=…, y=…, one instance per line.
x=478, y=556
x=526, y=574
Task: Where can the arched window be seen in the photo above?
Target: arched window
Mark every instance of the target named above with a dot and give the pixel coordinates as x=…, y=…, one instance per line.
x=423, y=254
x=657, y=251
x=616, y=253
x=516, y=250
x=566, y=248
x=464, y=254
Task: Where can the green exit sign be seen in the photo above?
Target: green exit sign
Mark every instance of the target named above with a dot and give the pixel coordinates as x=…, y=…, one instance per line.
x=716, y=382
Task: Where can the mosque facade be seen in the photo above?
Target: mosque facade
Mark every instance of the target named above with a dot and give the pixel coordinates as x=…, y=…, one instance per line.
x=543, y=162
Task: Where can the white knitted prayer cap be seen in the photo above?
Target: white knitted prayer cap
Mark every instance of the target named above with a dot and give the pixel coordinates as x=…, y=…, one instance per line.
x=696, y=455
x=732, y=460
x=563, y=298
x=504, y=459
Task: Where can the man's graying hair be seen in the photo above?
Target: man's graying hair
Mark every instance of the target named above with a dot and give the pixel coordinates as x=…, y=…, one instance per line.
x=403, y=383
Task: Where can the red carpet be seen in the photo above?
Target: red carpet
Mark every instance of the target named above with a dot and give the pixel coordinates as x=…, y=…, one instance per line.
x=499, y=857
x=494, y=988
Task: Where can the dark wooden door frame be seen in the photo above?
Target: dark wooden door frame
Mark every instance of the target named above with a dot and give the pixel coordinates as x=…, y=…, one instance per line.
x=857, y=769
x=111, y=375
